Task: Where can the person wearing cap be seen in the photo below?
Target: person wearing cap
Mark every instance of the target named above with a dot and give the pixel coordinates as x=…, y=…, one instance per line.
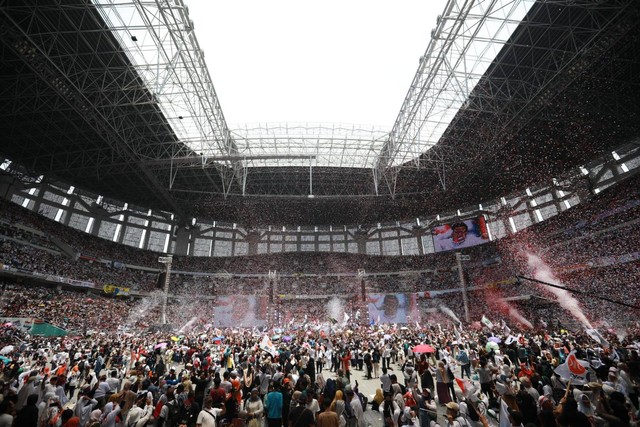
x=453, y=416
x=301, y=416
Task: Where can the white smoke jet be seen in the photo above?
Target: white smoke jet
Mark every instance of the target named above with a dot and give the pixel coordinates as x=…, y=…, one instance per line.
x=189, y=324
x=542, y=271
x=514, y=313
x=446, y=310
x=144, y=307
x=335, y=308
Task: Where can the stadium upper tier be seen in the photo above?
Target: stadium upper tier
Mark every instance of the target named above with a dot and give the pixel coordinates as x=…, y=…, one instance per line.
x=82, y=105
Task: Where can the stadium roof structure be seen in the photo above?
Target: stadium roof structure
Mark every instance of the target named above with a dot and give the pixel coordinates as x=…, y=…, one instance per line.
x=114, y=97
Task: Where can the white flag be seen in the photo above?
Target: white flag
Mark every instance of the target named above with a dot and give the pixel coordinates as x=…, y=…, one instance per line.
x=486, y=322
x=505, y=328
x=346, y=319
x=267, y=345
x=574, y=369
x=597, y=337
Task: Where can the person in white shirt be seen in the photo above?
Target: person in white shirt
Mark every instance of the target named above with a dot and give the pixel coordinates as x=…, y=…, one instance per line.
x=312, y=404
x=356, y=405
x=385, y=380
x=141, y=413
x=208, y=415
x=389, y=410
x=114, y=382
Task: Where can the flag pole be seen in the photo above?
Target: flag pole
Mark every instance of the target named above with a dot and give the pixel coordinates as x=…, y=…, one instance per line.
x=575, y=291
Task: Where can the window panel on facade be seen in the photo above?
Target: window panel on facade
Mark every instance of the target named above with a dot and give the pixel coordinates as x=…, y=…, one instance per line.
x=222, y=248
x=79, y=222
x=373, y=248
x=242, y=248
x=409, y=246
x=157, y=240
x=390, y=247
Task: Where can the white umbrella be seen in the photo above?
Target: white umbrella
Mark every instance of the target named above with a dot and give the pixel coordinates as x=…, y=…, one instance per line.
x=7, y=349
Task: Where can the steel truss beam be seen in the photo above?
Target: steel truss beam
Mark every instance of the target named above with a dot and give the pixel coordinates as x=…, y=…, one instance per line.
x=448, y=92
x=158, y=36
x=35, y=49
x=579, y=45
x=467, y=38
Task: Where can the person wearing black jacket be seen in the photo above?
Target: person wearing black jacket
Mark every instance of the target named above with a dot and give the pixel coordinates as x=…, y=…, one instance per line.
x=28, y=415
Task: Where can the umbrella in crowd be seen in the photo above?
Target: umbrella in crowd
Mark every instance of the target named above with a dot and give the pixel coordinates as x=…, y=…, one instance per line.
x=7, y=349
x=423, y=348
x=492, y=346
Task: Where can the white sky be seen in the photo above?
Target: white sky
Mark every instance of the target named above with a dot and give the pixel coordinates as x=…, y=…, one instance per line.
x=277, y=61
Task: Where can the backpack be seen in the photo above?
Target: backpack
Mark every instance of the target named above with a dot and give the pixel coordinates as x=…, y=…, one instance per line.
x=367, y=358
x=174, y=414
x=158, y=409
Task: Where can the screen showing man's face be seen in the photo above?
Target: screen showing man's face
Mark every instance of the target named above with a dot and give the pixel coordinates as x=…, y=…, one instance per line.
x=459, y=234
x=391, y=305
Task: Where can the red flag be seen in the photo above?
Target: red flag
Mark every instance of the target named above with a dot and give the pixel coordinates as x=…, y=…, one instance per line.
x=466, y=386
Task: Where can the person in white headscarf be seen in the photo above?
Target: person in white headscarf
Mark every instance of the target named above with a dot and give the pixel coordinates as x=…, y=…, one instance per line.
x=26, y=388
x=84, y=406
x=111, y=411
x=49, y=410
x=585, y=406
x=141, y=412
x=95, y=416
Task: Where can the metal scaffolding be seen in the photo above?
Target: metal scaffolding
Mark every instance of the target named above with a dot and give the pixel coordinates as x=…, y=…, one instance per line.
x=115, y=97
x=159, y=39
x=461, y=74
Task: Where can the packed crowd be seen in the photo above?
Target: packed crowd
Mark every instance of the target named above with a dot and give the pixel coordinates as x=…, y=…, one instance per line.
x=315, y=375
x=114, y=370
